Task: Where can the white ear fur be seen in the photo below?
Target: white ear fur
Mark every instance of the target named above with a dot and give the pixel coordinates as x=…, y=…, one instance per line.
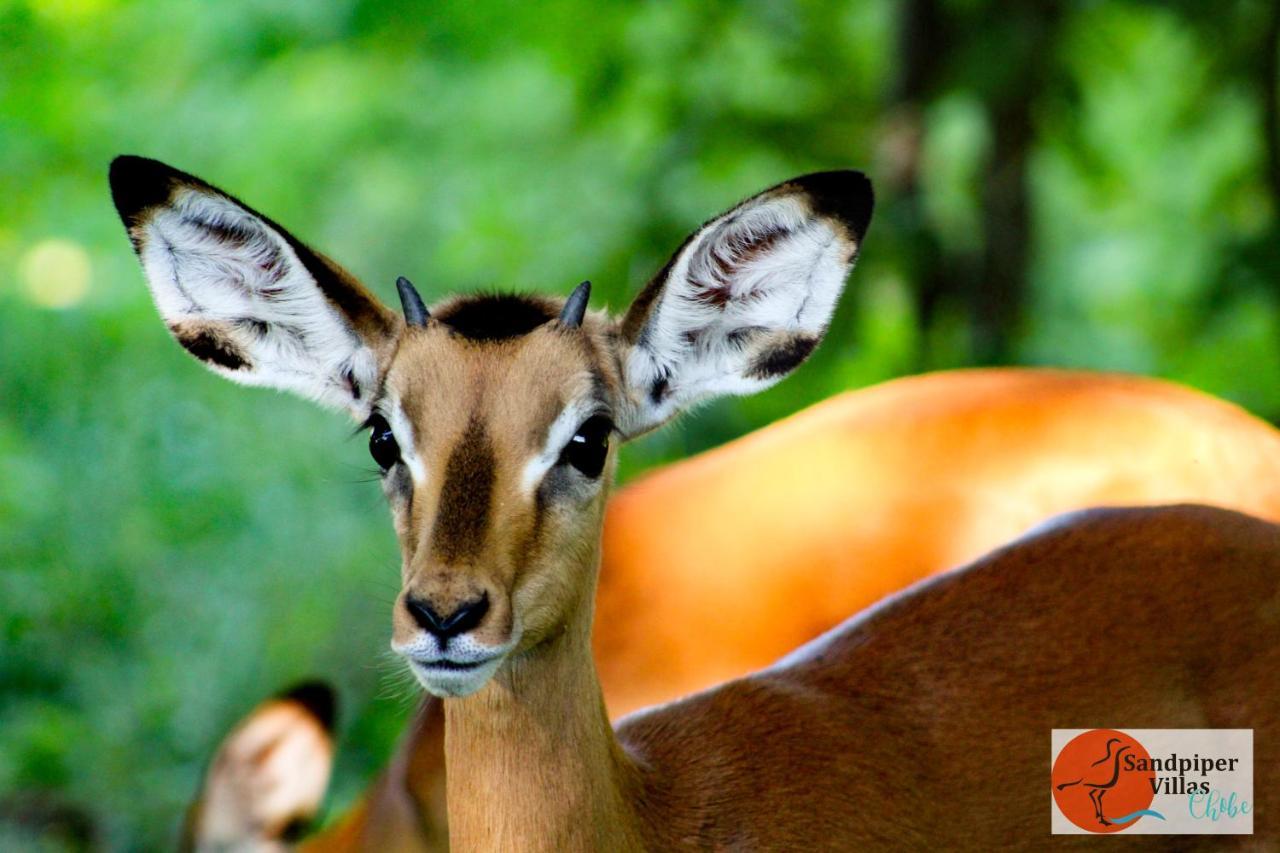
x=270, y=773
x=746, y=299
x=244, y=297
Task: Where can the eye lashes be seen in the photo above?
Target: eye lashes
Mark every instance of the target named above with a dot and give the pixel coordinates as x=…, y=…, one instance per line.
x=368, y=422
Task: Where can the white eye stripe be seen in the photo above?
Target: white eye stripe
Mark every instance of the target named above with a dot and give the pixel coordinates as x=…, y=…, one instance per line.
x=561, y=430
x=403, y=432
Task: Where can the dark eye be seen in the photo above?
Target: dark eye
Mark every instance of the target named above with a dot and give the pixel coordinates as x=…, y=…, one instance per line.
x=589, y=446
x=382, y=444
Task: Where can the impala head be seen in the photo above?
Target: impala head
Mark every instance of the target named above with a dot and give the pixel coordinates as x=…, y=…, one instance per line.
x=495, y=418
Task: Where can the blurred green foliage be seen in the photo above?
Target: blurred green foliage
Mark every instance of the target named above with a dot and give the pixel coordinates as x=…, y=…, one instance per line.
x=173, y=548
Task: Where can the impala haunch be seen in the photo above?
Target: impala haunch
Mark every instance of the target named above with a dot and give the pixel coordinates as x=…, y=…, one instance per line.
x=495, y=420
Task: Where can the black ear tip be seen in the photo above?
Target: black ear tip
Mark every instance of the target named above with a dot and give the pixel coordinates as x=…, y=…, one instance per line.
x=124, y=165
x=318, y=698
x=846, y=195
x=138, y=183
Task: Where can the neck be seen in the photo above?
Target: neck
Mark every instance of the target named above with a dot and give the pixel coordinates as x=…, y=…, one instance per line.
x=532, y=760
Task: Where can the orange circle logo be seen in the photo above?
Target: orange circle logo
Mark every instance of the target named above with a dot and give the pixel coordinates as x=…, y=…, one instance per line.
x=1097, y=784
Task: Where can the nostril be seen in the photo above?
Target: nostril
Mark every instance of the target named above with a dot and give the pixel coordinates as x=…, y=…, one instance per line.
x=461, y=620
x=422, y=613
x=467, y=616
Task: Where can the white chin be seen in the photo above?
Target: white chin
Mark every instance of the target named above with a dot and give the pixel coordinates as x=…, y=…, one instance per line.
x=451, y=684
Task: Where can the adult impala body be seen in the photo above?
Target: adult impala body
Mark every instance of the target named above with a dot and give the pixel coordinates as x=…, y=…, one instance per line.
x=494, y=420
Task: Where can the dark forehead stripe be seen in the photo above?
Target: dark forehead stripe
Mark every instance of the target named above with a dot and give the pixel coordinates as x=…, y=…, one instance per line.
x=496, y=317
x=465, y=498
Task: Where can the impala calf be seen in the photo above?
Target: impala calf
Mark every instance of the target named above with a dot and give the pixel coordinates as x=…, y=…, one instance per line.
x=494, y=421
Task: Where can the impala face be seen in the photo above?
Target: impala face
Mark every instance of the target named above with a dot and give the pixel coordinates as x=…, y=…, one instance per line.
x=494, y=429
x=494, y=419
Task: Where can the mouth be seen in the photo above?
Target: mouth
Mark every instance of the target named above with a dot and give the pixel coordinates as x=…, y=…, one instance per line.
x=446, y=678
x=460, y=669
x=453, y=665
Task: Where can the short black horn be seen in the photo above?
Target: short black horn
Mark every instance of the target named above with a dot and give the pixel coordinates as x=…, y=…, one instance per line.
x=415, y=313
x=575, y=307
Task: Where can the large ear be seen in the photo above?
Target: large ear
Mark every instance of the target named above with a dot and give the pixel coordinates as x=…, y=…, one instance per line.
x=269, y=776
x=245, y=297
x=746, y=299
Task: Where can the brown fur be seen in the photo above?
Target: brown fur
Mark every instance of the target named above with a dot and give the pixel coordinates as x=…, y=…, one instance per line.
x=465, y=497
x=927, y=720
x=405, y=809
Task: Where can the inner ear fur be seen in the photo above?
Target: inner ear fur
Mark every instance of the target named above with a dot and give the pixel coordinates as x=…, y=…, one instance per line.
x=246, y=297
x=746, y=298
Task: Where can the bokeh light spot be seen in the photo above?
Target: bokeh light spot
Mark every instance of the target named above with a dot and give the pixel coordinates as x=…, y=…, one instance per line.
x=55, y=273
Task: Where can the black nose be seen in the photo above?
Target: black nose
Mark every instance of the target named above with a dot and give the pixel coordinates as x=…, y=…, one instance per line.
x=458, y=622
